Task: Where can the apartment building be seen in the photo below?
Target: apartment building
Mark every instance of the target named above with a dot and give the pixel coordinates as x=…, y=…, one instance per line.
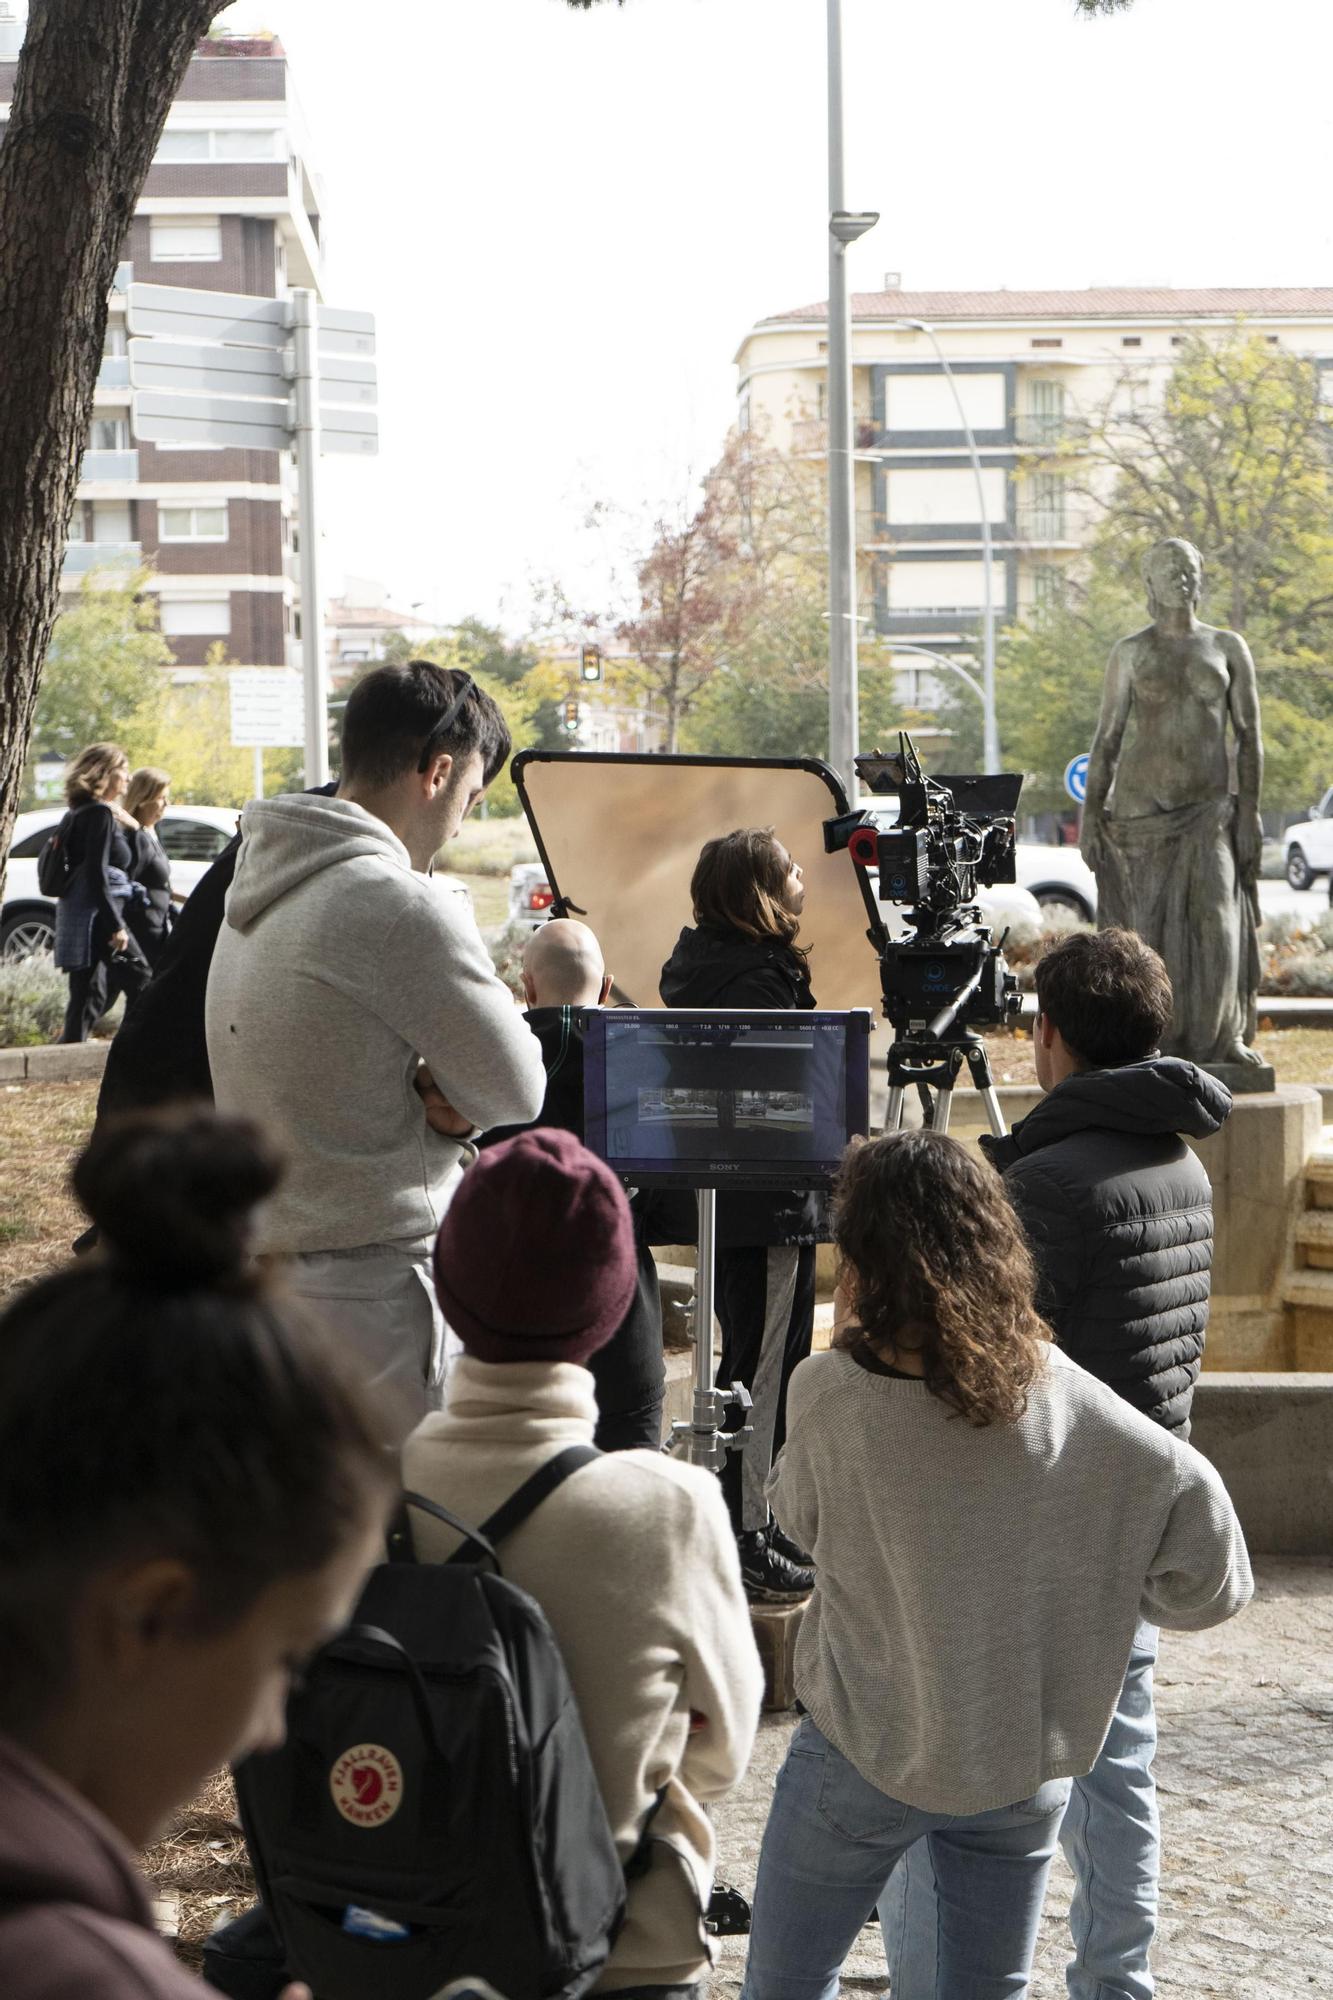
x=231, y=204
x=1023, y=364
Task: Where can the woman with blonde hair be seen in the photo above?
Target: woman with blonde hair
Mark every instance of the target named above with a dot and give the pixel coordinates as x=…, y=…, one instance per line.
x=150, y=916
x=747, y=894
x=988, y=1524
x=93, y=944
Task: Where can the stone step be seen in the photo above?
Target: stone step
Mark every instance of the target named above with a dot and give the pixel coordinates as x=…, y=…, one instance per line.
x=1319, y=1166
x=1310, y=1290
x=1314, y=1239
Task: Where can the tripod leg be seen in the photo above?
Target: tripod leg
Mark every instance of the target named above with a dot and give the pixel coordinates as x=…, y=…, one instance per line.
x=993, y=1111
x=893, y=1117
x=943, y=1107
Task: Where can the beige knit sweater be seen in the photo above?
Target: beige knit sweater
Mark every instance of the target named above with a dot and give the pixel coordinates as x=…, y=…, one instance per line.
x=976, y=1590
x=634, y=1563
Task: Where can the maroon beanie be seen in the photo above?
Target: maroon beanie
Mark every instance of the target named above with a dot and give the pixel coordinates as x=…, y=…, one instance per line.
x=535, y=1259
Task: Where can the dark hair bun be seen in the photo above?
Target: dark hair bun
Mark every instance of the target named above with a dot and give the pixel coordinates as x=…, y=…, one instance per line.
x=173, y=1193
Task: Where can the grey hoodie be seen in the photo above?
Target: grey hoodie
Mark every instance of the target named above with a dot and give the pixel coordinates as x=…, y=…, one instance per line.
x=337, y=967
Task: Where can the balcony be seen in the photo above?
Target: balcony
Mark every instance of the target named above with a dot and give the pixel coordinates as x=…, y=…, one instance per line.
x=80, y=557
x=1041, y=428
x=1043, y=525
x=114, y=372
x=108, y=465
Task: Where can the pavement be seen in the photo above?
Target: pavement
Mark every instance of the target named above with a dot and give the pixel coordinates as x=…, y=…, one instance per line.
x=1245, y=1716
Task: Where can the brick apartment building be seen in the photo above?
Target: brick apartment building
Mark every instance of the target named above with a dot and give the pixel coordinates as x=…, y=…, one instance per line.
x=231, y=205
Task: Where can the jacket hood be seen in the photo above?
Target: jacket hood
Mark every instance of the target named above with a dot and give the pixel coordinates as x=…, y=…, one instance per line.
x=707, y=961
x=1164, y=1094
x=56, y=1848
x=286, y=841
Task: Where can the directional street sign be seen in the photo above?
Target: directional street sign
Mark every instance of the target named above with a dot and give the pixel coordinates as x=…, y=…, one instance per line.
x=348, y=430
x=1076, y=778
x=163, y=418
x=343, y=332
x=193, y=366
x=344, y=381
x=180, y=314
x=267, y=708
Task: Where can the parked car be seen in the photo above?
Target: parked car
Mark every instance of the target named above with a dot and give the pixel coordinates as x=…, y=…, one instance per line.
x=192, y=837
x=530, y=894
x=1059, y=878
x=1309, y=844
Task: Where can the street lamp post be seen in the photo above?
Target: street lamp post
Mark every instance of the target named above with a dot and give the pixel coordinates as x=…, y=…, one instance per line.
x=990, y=726
x=844, y=228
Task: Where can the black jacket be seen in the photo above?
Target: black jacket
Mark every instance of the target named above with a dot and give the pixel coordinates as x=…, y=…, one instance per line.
x=1119, y=1213
x=726, y=968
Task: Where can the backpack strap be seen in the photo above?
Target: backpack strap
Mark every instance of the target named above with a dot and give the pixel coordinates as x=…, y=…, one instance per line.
x=400, y=1539
x=531, y=1493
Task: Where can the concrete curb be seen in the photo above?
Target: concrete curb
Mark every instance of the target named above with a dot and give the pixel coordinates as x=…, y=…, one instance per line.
x=74, y=1062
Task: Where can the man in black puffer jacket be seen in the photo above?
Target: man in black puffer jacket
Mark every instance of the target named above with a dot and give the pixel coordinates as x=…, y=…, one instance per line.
x=1119, y=1215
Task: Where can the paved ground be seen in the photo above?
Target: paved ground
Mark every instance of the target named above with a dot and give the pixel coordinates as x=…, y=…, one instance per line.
x=1244, y=1769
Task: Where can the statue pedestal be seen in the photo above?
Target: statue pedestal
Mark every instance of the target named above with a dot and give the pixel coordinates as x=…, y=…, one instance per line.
x=1243, y=1079
x=1257, y=1165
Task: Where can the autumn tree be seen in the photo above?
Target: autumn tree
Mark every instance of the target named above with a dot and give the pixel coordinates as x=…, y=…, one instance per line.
x=94, y=83
x=103, y=676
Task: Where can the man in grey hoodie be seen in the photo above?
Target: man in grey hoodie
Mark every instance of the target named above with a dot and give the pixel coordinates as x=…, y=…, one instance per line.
x=353, y=1006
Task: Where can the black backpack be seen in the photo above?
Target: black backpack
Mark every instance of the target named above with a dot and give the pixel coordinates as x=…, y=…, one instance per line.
x=433, y=1814
x=55, y=868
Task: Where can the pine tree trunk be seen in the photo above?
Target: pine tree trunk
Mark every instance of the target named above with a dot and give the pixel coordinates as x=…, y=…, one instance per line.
x=95, y=81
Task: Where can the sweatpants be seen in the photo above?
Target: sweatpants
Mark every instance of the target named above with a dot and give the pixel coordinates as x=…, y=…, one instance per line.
x=766, y=1309
x=379, y=1305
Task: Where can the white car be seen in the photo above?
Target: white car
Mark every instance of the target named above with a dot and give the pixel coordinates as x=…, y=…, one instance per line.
x=192, y=838
x=1308, y=846
x=1059, y=878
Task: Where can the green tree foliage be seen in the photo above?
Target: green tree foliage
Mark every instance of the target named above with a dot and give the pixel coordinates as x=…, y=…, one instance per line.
x=188, y=735
x=103, y=677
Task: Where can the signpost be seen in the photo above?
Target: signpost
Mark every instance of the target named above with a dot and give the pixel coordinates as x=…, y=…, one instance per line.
x=262, y=375
x=1076, y=778
x=267, y=713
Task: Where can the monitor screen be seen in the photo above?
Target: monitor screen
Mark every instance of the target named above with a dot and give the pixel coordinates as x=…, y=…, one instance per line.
x=690, y=1097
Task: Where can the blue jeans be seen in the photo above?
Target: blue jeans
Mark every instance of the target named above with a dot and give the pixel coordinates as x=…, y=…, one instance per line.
x=831, y=1842
x=1110, y=1841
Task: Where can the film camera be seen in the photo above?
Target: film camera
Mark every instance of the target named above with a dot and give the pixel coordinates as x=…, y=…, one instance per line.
x=945, y=978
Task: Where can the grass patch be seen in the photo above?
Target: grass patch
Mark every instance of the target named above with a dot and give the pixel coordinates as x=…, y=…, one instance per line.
x=1299, y=1055
x=489, y=847
x=42, y=1127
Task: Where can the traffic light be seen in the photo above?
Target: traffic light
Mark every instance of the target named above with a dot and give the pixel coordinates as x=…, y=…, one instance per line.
x=591, y=665
x=572, y=714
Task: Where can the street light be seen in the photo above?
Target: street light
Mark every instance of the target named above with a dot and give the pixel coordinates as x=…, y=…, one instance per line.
x=990, y=727
x=844, y=228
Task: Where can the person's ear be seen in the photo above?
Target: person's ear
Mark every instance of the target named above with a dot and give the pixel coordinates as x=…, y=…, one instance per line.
x=141, y=1607
x=529, y=989
x=607, y=984
x=1045, y=1030
x=435, y=777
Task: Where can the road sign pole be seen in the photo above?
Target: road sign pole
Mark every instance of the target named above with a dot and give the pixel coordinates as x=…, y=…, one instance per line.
x=306, y=426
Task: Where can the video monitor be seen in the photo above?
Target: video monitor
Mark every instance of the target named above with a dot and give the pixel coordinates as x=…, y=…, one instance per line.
x=695, y=1097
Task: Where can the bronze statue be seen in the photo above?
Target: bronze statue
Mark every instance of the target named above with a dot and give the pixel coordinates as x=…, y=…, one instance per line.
x=1171, y=823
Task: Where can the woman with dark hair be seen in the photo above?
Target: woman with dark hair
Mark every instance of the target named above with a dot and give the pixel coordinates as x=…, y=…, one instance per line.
x=988, y=1523
x=747, y=894
x=190, y=1497
x=93, y=944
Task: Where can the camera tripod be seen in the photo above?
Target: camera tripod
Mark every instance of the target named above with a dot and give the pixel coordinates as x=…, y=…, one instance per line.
x=934, y=1064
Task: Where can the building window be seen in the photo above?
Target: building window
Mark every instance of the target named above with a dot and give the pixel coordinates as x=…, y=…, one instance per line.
x=1178, y=339
x=78, y=527
x=1044, y=420
x=229, y=143
x=191, y=239
x=193, y=524
x=196, y=617
x=110, y=434
x=1045, y=341
x=1131, y=340
x=1048, y=586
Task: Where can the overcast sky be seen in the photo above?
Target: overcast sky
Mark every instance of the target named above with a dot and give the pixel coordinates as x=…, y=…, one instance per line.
x=565, y=223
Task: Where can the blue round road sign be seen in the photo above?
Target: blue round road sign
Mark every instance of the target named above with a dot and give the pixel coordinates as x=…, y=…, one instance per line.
x=1076, y=778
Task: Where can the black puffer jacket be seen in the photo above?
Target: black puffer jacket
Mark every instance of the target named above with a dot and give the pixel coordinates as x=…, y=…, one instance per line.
x=713, y=967
x=1119, y=1213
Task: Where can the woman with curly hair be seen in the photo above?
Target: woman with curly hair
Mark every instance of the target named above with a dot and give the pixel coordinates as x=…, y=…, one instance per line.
x=988, y=1523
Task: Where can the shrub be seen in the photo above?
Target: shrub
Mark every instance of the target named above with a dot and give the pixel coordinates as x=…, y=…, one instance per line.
x=32, y=1002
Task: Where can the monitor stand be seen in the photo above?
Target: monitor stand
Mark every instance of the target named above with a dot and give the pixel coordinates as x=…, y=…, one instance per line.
x=703, y=1440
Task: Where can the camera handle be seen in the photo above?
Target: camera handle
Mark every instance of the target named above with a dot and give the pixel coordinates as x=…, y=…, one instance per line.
x=936, y=1065
x=702, y=1440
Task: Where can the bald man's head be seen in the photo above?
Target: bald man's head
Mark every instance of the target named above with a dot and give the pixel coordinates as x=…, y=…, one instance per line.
x=563, y=966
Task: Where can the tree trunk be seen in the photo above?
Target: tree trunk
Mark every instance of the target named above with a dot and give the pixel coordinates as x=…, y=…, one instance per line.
x=95, y=81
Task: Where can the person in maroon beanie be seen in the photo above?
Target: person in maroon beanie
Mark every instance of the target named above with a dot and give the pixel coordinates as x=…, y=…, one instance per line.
x=632, y=1558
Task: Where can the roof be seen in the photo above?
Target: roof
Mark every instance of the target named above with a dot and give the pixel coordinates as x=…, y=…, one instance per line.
x=373, y=617
x=1101, y=302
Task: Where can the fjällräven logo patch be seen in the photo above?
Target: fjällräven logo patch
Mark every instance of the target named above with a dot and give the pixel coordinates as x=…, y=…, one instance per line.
x=367, y=1784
